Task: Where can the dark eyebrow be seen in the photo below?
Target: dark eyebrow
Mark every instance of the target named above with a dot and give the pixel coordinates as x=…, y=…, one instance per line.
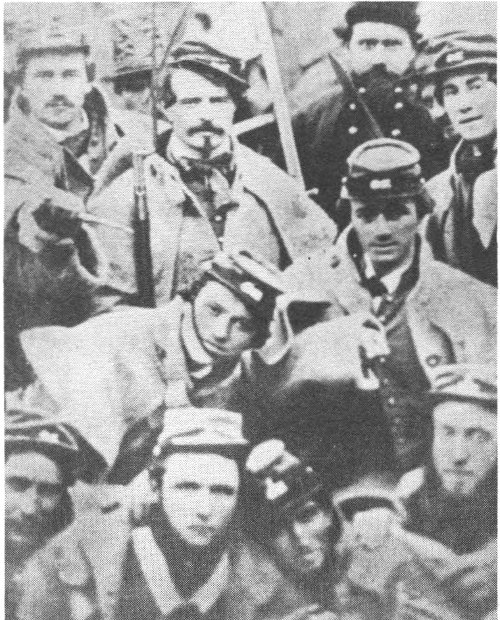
x=474, y=78
x=189, y=100
x=226, y=489
x=372, y=40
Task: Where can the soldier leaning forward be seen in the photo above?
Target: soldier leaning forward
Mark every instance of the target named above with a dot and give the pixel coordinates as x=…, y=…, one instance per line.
x=425, y=312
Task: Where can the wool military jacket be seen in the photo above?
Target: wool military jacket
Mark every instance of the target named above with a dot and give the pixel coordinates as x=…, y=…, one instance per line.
x=271, y=216
x=330, y=128
x=49, y=281
x=80, y=573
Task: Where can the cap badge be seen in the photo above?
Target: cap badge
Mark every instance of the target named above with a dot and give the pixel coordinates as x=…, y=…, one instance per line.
x=252, y=291
x=275, y=489
x=48, y=437
x=455, y=57
x=380, y=184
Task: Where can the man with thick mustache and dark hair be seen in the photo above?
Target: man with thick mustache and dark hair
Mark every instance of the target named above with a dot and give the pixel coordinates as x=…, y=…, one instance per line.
x=205, y=190
x=381, y=40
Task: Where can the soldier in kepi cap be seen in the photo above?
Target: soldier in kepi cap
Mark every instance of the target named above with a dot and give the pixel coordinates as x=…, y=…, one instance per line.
x=409, y=312
x=463, y=227
x=59, y=133
x=43, y=458
x=179, y=560
x=206, y=191
x=187, y=352
x=450, y=530
x=381, y=40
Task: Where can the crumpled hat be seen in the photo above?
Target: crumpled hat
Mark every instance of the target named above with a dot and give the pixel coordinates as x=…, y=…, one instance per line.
x=193, y=429
x=465, y=382
x=255, y=281
x=52, y=37
x=30, y=429
x=205, y=58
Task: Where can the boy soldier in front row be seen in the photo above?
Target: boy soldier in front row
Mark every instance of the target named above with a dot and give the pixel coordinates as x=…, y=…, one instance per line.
x=421, y=312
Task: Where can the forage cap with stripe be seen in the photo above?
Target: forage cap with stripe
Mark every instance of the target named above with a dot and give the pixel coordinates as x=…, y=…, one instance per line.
x=465, y=382
x=464, y=50
x=383, y=168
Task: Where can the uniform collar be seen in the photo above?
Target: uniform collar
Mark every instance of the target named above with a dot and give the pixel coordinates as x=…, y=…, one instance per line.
x=156, y=572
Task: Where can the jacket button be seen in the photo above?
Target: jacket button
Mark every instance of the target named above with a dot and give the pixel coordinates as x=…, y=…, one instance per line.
x=352, y=130
x=391, y=401
x=398, y=105
x=398, y=89
x=352, y=106
x=361, y=90
x=218, y=218
x=396, y=132
x=383, y=360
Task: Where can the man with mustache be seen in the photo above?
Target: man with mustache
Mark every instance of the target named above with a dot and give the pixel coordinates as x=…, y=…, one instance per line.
x=462, y=229
x=408, y=312
x=42, y=460
x=381, y=39
x=205, y=190
x=59, y=133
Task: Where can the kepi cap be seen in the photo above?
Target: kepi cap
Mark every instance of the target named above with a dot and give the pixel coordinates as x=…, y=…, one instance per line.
x=255, y=281
x=29, y=429
x=383, y=168
x=192, y=429
x=465, y=382
x=465, y=50
x=54, y=37
x=204, y=58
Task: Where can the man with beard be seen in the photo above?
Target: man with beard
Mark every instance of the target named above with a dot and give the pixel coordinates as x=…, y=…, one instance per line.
x=462, y=229
x=408, y=312
x=188, y=352
x=206, y=191
x=42, y=459
x=381, y=38
x=178, y=561
x=451, y=505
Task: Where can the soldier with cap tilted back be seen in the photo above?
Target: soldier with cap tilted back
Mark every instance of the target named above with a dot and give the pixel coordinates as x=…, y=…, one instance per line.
x=410, y=313
x=43, y=458
x=186, y=352
x=463, y=227
x=381, y=39
x=205, y=190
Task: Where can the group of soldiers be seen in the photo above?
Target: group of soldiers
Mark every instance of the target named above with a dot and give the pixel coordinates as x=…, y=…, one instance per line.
x=299, y=423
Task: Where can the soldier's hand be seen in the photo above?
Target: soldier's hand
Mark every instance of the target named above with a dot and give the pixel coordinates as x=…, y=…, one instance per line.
x=56, y=220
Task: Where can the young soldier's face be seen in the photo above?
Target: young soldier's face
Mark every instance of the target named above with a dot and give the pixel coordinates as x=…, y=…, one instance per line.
x=470, y=99
x=199, y=496
x=55, y=86
x=303, y=544
x=202, y=115
x=224, y=325
x=33, y=491
x=465, y=445
x=386, y=231
x=376, y=43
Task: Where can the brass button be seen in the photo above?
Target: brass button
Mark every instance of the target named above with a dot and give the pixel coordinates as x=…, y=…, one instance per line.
x=398, y=89
x=398, y=105
x=218, y=218
x=361, y=90
x=383, y=359
x=352, y=130
x=352, y=106
x=396, y=132
x=391, y=401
